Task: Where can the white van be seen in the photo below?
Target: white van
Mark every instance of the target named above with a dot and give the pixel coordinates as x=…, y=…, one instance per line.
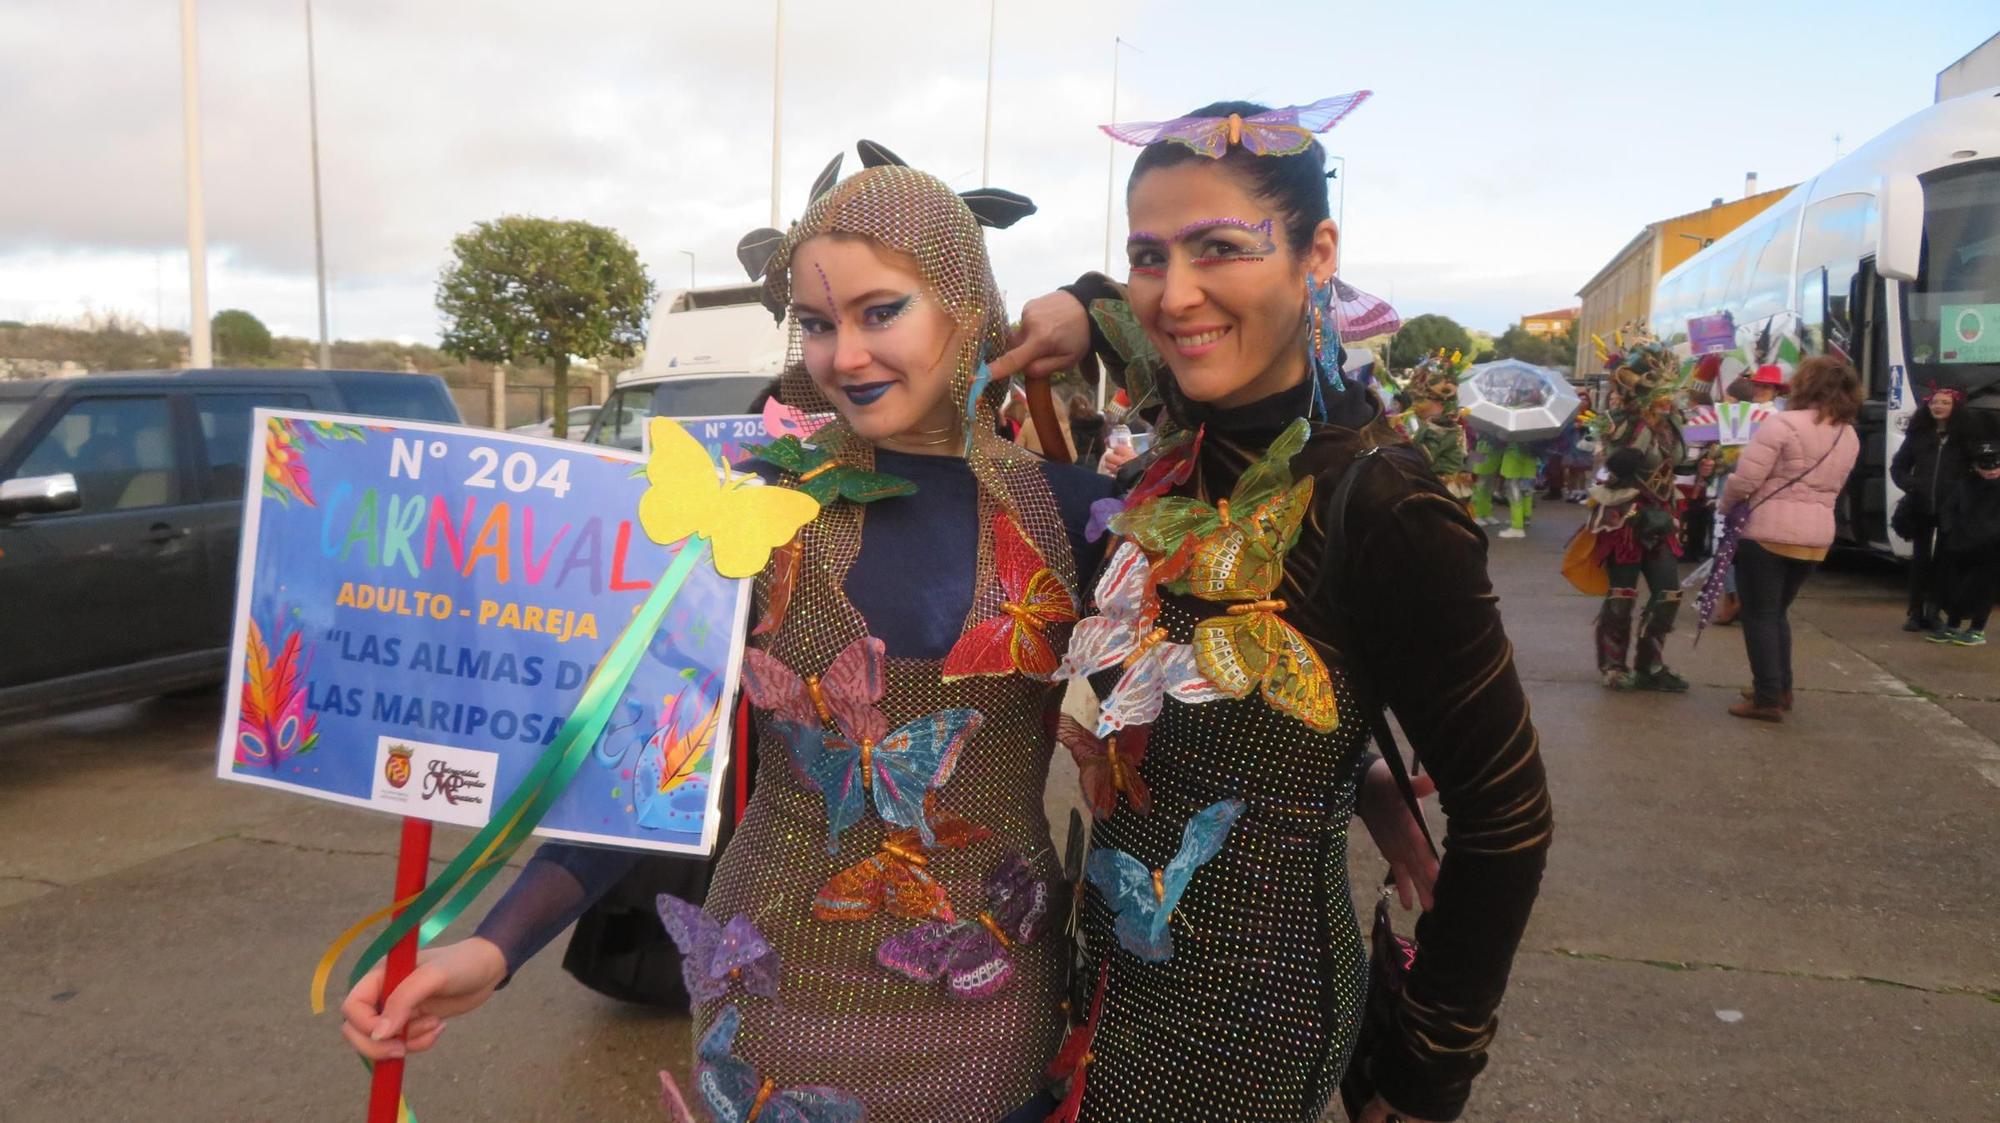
x=709, y=351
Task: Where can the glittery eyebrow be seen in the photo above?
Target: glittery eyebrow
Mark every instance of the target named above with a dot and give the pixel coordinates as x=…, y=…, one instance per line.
x=1143, y=236
x=1193, y=228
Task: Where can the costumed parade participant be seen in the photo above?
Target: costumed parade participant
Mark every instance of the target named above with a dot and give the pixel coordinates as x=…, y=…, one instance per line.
x=876, y=935
x=894, y=860
x=1634, y=516
x=1440, y=431
x=1242, y=655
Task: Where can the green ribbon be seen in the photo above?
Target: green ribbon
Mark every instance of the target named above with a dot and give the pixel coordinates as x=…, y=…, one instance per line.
x=483, y=857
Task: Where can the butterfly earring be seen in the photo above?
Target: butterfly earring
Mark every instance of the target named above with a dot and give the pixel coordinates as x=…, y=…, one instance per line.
x=1322, y=341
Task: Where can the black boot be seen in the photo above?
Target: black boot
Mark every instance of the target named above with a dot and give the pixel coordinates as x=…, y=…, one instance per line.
x=1614, y=636
x=1655, y=626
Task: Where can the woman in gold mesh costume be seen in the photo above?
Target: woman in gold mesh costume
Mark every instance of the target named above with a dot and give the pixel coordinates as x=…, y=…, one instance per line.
x=939, y=547
x=1218, y=916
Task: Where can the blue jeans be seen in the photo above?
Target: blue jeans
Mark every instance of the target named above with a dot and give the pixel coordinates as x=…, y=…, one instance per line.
x=1767, y=584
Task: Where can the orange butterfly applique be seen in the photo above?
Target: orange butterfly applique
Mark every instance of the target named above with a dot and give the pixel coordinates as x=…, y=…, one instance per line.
x=897, y=878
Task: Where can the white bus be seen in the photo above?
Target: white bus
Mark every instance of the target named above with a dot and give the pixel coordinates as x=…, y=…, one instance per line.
x=1891, y=257
x=709, y=351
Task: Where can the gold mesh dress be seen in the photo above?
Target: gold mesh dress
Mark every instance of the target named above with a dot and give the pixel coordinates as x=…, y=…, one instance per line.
x=908, y=1050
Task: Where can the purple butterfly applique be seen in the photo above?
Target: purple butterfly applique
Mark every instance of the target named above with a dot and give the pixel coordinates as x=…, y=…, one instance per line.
x=974, y=957
x=715, y=955
x=1276, y=132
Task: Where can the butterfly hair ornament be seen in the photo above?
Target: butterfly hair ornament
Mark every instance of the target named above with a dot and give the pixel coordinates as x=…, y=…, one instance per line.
x=896, y=773
x=716, y=956
x=975, y=957
x=1145, y=899
x=1275, y=132
x=732, y=1091
x=897, y=878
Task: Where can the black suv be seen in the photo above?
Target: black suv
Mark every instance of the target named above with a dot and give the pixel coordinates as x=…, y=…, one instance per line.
x=121, y=499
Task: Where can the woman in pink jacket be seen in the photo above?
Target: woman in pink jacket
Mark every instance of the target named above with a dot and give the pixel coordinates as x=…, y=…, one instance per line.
x=1790, y=475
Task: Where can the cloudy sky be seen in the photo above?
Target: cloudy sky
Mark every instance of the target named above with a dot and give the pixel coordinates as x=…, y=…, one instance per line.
x=1509, y=150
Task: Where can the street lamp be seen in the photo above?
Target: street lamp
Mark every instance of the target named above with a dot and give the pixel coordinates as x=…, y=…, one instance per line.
x=690, y=257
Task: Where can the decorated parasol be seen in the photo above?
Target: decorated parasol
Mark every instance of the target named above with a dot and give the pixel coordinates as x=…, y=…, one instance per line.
x=1516, y=401
x=1362, y=315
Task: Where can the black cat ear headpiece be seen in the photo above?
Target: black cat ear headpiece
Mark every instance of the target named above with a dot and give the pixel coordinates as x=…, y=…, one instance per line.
x=994, y=207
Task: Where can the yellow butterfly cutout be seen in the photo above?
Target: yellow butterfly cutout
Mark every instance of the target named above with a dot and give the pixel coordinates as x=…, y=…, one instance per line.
x=691, y=495
x=1250, y=646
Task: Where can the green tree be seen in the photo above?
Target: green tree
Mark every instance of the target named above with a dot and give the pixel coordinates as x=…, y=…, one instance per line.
x=1423, y=335
x=538, y=290
x=1551, y=351
x=240, y=338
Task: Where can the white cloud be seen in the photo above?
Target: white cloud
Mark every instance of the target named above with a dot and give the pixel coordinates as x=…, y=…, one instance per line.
x=1485, y=181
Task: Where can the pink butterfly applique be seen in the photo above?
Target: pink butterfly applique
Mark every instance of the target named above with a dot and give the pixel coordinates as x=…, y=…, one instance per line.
x=1276, y=132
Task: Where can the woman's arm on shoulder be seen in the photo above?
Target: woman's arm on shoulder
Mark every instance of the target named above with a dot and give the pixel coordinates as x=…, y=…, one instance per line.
x=1428, y=635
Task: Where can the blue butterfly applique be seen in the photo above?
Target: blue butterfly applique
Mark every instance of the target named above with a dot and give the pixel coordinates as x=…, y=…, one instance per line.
x=897, y=772
x=733, y=1092
x=1145, y=899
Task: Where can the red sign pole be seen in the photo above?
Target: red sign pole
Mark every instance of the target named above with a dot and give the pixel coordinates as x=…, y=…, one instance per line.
x=412, y=869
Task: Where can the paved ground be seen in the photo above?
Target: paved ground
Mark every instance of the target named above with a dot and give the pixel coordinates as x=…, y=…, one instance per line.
x=1740, y=922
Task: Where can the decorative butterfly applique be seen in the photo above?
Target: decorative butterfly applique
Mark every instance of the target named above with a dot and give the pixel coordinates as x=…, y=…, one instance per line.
x=781, y=420
x=1165, y=524
x=1225, y=556
x=1251, y=646
x=1124, y=632
x=1274, y=132
x=1108, y=765
x=783, y=580
x=824, y=477
x=1073, y=1060
x=1173, y=466
x=1145, y=899
x=688, y=494
x=897, y=772
x=713, y=955
x=1036, y=600
x=734, y=1093
x=845, y=696
x=974, y=956
x=897, y=879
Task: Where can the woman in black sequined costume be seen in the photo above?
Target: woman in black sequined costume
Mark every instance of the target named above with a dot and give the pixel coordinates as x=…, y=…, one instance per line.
x=1255, y=1015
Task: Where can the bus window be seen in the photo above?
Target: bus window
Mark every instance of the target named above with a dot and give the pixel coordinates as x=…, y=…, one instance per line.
x=1831, y=242
x=1950, y=309
x=1733, y=273
x=1667, y=319
x=1767, y=289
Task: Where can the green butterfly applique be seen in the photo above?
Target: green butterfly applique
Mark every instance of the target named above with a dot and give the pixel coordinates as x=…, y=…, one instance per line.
x=827, y=479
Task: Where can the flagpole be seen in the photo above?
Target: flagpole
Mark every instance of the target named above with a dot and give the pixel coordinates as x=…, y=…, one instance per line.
x=986, y=150
x=200, y=353
x=319, y=233
x=777, y=104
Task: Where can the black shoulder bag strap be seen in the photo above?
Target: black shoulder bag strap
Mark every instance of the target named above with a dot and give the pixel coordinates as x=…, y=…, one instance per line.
x=1332, y=561
x=1389, y=955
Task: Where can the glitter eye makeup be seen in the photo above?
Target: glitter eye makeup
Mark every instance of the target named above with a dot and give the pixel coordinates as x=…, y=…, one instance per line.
x=1145, y=254
x=882, y=315
x=1262, y=229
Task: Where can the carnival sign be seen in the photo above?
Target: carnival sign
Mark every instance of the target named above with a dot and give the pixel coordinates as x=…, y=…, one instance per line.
x=422, y=610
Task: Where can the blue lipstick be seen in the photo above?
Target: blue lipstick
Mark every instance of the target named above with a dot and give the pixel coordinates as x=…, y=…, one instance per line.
x=866, y=393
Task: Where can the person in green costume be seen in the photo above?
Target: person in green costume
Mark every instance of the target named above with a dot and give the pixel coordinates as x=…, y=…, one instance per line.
x=1484, y=463
x=1518, y=468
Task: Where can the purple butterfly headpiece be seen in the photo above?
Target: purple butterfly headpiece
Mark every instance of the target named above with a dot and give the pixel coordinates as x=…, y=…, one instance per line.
x=1276, y=132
